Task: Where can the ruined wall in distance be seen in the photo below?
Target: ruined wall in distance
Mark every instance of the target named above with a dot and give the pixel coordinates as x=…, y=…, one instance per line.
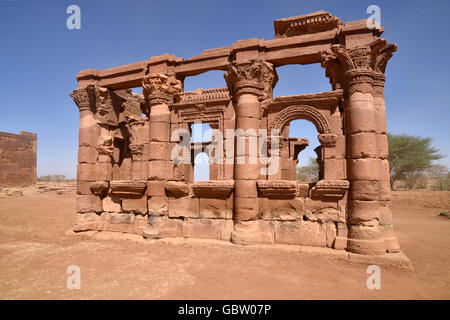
x=17, y=159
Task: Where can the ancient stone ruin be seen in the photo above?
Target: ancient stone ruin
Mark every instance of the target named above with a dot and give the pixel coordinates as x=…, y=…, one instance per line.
x=17, y=159
x=135, y=171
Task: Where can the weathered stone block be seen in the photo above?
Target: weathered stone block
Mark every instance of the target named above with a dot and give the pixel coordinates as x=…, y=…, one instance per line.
x=363, y=212
x=301, y=233
x=302, y=190
x=163, y=227
x=87, y=155
x=198, y=228
x=384, y=190
x=362, y=145
x=120, y=218
x=89, y=221
x=84, y=188
x=159, y=170
x=159, y=151
x=111, y=204
x=284, y=209
x=177, y=189
x=136, y=205
x=104, y=171
x=363, y=169
x=334, y=169
x=222, y=229
x=364, y=190
x=89, y=203
x=159, y=131
x=156, y=188
x=246, y=208
x=314, y=205
x=87, y=172
x=253, y=232
x=187, y=207
x=382, y=146
x=214, y=208
x=158, y=206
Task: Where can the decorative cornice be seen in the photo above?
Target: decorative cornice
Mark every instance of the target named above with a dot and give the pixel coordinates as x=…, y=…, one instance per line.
x=204, y=95
x=330, y=189
x=126, y=188
x=305, y=24
x=277, y=188
x=211, y=188
x=254, y=76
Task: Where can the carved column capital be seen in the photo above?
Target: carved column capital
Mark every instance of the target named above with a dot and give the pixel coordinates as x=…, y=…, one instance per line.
x=357, y=69
x=161, y=88
x=84, y=98
x=93, y=97
x=254, y=76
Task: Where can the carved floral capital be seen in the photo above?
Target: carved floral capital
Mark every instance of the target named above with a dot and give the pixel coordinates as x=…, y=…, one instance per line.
x=83, y=98
x=161, y=88
x=254, y=76
x=360, y=66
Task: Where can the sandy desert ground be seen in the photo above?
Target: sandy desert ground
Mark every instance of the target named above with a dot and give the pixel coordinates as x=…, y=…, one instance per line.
x=36, y=249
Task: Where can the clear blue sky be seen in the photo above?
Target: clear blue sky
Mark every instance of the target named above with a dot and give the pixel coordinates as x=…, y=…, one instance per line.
x=40, y=58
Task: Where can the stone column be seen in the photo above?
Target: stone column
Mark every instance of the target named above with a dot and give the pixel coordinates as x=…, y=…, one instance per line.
x=249, y=83
x=89, y=131
x=384, y=184
x=357, y=69
x=159, y=90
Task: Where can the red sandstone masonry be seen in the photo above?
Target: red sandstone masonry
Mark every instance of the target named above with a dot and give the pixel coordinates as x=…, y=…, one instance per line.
x=127, y=181
x=17, y=159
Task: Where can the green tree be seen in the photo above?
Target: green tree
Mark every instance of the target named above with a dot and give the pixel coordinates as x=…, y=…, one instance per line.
x=310, y=172
x=410, y=157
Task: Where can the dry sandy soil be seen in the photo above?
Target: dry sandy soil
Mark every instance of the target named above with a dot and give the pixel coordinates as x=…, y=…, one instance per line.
x=35, y=251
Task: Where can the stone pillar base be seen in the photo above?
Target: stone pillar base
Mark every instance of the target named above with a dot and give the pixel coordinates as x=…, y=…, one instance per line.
x=369, y=247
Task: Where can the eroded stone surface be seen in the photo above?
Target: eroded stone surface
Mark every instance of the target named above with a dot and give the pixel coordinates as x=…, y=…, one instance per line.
x=133, y=178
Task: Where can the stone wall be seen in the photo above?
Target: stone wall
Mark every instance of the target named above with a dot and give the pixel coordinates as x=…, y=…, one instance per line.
x=133, y=177
x=17, y=159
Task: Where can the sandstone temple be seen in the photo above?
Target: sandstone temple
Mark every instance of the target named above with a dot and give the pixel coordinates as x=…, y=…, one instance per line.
x=136, y=162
